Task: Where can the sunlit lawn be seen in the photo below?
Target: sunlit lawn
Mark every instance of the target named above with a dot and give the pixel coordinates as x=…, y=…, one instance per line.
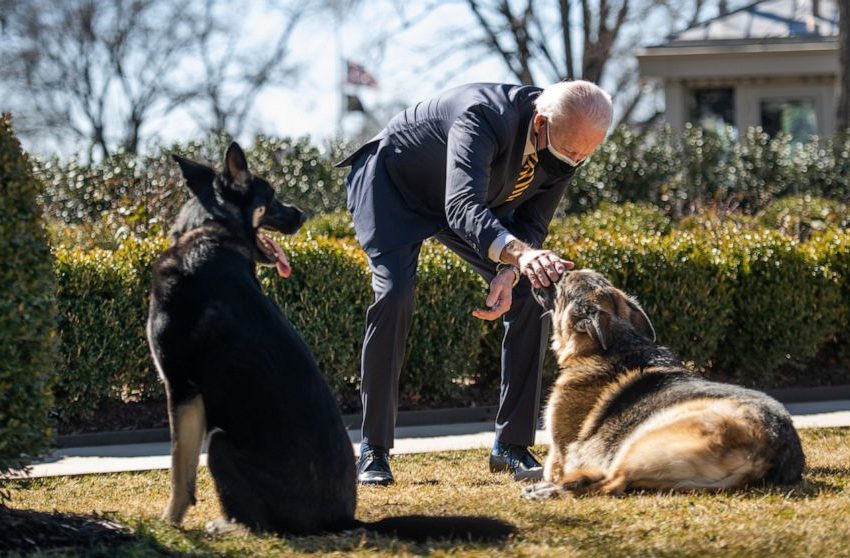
x=808, y=519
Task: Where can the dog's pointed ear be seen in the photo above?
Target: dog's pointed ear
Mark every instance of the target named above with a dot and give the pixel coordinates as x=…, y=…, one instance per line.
x=638, y=318
x=236, y=166
x=597, y=326
x=199, y=178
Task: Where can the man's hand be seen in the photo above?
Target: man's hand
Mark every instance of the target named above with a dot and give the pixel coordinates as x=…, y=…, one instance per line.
x=541, y=267
x=499, y=300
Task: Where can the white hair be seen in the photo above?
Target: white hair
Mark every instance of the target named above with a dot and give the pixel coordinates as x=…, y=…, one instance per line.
x=578, y=99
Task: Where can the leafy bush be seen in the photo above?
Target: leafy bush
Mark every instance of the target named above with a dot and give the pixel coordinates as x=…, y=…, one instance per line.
x=337, y=224
x=27, y=319
x=832, y=250
x=328, y=294
x=443, y=348
x=102, y=299
x=786, y=305
x=610, y=219
x=326, y=298
x=698, y=169
x=123, y=196
x=801, y=216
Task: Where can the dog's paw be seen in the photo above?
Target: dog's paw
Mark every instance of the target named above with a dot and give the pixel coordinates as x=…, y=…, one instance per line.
x=173, y=516
x=224, y=526
x=542, y=491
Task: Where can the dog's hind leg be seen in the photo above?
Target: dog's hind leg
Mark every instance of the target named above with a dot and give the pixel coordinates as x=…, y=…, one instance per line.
x=188, y=427
x=710, y=445
x=237, y=493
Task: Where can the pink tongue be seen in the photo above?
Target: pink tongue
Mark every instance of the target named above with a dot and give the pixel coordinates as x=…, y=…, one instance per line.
x=282, y=264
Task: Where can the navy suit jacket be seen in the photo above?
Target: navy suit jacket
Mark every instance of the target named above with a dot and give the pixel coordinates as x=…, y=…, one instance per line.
x=451, y=162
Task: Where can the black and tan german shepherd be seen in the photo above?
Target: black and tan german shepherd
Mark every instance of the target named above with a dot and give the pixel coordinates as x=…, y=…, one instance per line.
x=237, y=371
x=625, y=413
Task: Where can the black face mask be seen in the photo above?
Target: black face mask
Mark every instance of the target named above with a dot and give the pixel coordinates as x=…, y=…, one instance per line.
x=552, y=165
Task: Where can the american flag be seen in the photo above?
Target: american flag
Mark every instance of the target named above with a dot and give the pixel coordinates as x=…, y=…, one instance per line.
x=357, y=75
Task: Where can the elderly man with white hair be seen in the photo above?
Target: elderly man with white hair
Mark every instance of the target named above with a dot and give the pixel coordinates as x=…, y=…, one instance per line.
x=481, y=168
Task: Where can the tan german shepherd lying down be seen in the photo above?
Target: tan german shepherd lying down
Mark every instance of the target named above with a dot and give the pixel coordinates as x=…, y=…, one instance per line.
x=625, y=413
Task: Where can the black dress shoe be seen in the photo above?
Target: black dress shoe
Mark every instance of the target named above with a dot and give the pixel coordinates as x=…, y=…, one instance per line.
x=374, y=466
x=515, y=459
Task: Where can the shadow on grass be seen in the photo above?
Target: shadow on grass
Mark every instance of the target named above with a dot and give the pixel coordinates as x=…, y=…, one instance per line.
x=806, y=489
x=829, y=471
x=25, y=531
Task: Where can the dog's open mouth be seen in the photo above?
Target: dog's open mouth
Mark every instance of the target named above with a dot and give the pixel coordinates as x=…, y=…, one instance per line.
x=274, y=253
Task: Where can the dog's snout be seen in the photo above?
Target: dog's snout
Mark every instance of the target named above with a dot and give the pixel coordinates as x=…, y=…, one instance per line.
x=545, y=296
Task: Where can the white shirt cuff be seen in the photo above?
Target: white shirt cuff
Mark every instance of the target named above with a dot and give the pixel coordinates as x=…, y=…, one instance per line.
x=498, y=245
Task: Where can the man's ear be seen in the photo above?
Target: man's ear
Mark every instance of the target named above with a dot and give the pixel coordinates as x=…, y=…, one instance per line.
x=199, y=178
x=598, y=326
x=236, y=166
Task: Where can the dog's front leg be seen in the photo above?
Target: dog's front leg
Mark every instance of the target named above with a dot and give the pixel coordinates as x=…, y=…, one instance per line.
x=553, y=469
x=188, y=427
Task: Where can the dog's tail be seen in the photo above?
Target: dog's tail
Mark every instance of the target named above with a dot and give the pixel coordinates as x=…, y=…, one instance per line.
x=418, y=528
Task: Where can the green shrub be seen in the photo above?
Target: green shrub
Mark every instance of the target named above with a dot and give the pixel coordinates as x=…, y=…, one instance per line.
x=824, y=167
x=337, y=224
x=302, y=173
x=102, y=300
x=610, y=219
x=125, y=196
x=832, y=250
x=739, y=304
x=786, y=305
x=801, y=216
x=27, y=310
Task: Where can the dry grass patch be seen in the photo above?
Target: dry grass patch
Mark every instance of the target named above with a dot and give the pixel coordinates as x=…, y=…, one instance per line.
x=807, y=519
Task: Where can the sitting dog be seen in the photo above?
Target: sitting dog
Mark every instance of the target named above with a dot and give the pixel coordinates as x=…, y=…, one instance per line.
x=625, y=413
x=236, y=370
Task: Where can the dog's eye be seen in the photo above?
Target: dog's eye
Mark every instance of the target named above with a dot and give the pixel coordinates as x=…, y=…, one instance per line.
x=261, y=210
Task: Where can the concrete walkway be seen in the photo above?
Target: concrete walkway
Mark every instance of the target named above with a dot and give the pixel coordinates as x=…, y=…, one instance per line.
x=411, y=439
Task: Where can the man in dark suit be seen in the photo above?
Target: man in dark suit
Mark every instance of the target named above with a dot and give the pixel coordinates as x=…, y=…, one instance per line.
x=481, y=168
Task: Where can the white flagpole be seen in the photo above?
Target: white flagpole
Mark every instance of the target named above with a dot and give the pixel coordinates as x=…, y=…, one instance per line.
x=340, y=64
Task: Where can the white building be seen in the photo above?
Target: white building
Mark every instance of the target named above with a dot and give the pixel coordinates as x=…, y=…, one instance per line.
x=773, y=63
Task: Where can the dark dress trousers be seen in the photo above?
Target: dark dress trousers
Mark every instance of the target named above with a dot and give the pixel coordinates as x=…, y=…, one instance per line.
x=446, y=168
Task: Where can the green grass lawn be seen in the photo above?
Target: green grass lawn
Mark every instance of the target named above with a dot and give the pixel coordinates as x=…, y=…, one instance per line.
x=808, y=519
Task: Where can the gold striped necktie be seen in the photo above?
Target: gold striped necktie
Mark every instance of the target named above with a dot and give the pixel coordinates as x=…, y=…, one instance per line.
x=526, y=175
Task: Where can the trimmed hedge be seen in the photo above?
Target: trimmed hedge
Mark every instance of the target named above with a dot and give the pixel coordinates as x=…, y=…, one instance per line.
x=787, y=304
x=832, y=250
x=103, y=305
x=738, y=304
x=27, y=319
x=100, y=205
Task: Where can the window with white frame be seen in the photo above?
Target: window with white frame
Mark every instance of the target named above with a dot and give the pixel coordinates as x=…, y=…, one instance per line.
x=796, y=117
